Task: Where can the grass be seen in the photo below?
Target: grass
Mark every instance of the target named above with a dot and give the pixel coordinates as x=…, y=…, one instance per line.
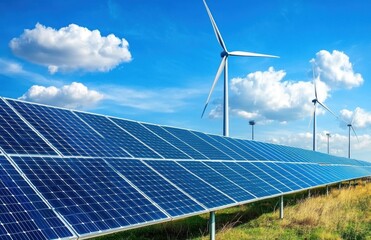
x=344, y=214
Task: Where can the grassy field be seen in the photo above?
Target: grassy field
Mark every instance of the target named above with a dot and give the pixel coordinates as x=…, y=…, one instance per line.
x=344, y=214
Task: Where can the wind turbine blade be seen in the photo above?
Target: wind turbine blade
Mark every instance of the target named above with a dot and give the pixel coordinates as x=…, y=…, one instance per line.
x=355, y=134
x=315, y=87
x=328, y=109
x=221, y=67
x=215, y=27
x=354, y=116
x=250, y=54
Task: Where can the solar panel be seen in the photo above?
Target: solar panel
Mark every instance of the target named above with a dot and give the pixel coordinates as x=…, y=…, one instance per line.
x=217, y=180
x=18, y=138
x=65, y=131
x=163, y=192
x=23, y=214
x=197, y=143
x=193, y=153
x=118, y=136
x=70, y=174
x=266, y=189
x=90, y=195
x=162, y=147
x=194, y=186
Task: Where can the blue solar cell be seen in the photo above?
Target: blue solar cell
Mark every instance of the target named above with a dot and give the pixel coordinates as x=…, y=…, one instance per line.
x=197, y=188
x=175, y=141
x=89, y=194
x=220, y=143
x=166, y=195
x=240, y=143
x=228, y=142
x=217, y=180
x=66, y=132
x=265, y=188
x=265, y=176
x=162, y=147
x=17, y=138
x=303, y=175
x=200, y=145
x=267, y=167
x=242, y=181
x=266, y=155
x=117, y=136
x=289, y=174
x=23, y=214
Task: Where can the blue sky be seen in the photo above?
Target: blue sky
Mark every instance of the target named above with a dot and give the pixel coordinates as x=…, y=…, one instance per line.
x=155, y=61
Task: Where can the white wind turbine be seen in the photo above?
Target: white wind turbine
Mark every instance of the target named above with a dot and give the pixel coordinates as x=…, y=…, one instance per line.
x=315, y=101
x=224, y=66
x=350, y=126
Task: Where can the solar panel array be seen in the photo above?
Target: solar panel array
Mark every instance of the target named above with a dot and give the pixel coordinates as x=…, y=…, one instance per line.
x=70, y=174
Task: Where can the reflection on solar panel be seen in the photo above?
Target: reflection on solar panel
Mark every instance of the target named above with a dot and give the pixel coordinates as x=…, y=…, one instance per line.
x=69, y=174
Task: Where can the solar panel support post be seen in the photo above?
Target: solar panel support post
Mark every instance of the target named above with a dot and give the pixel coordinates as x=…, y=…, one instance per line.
x=326, y=190
x=212, y=225
x=281, y=207
x=339, y=185
x=309, y=193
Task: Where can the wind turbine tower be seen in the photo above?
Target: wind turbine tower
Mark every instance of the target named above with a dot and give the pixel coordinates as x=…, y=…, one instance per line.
x=224, y=67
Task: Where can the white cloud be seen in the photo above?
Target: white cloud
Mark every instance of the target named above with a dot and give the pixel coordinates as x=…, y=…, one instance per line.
x=75, y=95
x=70, y=48
x=155, y=100
x=266, y=96
x=359, y=118
x=336, y=70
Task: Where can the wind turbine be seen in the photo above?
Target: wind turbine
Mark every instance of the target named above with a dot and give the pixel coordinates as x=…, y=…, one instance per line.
x=350, y=126
x=224, y=66
x=315, y=101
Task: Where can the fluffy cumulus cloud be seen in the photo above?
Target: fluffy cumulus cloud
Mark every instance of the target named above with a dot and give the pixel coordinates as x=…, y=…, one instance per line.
x=359, y=118
x=75, y=95
x=71, y=48
x=336, y=70
x=266, y=96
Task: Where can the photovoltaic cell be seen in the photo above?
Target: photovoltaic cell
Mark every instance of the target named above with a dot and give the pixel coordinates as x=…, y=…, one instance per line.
x=200, y=145
x=239, y=143
x=289, y=174
x=23, y=214
x=150, y=139
x=18, y=138
x=226, y=141
x=175, y=141
x=88, y=193
x=117, y=136
x=217, y=180
x=265, y=176
x=65, y=131
x=166, y=195
x=265, y=188
x=198, y=189
x=303, y=176
x=225, y=148
x=235, y=177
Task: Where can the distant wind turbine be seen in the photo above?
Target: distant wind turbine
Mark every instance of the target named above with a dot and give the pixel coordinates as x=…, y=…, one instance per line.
x=350, y=126
x=224, y=66
x=315, y=101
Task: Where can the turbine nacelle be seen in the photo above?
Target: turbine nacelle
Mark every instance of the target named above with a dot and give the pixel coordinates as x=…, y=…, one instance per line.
x=224, y=53
x=314, y=101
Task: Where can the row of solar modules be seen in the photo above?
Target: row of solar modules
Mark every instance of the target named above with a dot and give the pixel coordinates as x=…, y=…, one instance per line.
x=55, y=197
x=33, y=129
